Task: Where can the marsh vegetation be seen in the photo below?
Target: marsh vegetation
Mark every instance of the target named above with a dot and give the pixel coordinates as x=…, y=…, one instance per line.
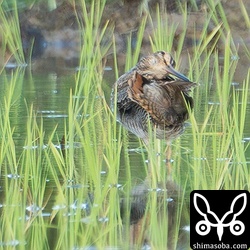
x=71, y=176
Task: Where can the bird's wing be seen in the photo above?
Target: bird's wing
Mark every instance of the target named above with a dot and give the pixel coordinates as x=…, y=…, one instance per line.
x=120, y=89
x=181, y=85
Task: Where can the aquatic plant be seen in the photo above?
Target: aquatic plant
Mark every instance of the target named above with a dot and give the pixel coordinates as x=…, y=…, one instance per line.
x=10, y=40
x=61, y=188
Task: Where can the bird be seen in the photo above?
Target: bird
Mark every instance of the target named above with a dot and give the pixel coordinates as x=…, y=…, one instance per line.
x=149, y=93
x=136, y=211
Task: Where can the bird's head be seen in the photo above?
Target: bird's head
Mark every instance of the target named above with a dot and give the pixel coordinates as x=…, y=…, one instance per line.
x=158, y=66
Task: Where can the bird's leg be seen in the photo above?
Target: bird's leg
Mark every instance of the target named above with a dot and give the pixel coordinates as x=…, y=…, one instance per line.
x=146, y=145
x=168, y=158
x=154, y=170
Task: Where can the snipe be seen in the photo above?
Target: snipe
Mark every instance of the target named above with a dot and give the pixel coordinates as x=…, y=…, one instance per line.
x=148, y=92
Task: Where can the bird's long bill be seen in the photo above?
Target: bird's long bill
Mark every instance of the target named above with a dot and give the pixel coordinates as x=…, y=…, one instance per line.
x=174, y=72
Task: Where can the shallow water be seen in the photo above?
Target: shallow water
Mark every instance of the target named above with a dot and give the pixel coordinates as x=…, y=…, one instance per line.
x=48, y=91
x=47, y=86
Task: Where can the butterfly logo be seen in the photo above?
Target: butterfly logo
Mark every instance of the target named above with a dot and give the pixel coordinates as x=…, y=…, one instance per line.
x=203, y=227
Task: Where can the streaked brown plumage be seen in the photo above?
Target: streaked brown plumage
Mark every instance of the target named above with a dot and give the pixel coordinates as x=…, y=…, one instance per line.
x=148, y=93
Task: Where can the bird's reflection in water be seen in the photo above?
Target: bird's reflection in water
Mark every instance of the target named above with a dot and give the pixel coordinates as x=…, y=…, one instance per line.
x=164, y=207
